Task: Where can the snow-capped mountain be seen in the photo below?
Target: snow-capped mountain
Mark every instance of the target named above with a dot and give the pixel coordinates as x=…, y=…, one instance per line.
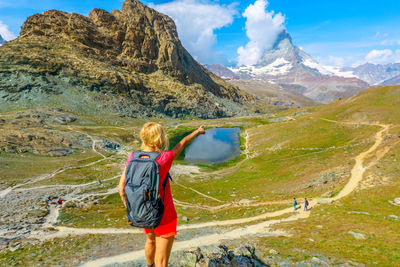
x=392, y=81
x=221, y=71
x=2, y=41
x=376, y=73
x=290, y=67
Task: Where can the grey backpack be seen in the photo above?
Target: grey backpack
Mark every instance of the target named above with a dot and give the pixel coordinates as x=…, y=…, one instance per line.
x=144, y=205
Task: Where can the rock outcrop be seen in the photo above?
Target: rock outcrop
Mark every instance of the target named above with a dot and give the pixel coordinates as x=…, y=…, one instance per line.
x=36, y=131
x=129, y=61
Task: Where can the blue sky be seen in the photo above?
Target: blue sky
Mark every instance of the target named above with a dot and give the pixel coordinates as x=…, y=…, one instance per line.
x=334, y=32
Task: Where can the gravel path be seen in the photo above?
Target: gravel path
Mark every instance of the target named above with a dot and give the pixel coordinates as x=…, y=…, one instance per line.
x=263, y=227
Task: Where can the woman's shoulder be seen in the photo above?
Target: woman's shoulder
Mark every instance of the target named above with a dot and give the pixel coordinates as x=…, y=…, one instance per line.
x=167, y=156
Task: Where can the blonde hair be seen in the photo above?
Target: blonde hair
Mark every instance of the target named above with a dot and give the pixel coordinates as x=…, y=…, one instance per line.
x=154, y=136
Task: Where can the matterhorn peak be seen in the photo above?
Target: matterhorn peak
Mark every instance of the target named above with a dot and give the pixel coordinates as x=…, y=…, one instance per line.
x=2, y=41
x=284, y=36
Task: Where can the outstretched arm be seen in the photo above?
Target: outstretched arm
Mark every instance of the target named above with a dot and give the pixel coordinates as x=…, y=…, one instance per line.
x=121, y=187
x=187, y=140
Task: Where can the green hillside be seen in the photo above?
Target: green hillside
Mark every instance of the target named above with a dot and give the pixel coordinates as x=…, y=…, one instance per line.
x=307, y=152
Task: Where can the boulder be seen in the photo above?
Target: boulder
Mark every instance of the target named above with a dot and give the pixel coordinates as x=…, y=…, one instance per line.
x=357, y=235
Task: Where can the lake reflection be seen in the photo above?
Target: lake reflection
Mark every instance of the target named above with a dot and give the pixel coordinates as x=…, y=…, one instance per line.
x=215, y=146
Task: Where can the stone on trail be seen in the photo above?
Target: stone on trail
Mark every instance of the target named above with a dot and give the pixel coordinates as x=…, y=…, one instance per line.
x=324, y=200
x=244, y=202
x=394, y=216
x=184, y=218
x=357, y=235
x=397, y=201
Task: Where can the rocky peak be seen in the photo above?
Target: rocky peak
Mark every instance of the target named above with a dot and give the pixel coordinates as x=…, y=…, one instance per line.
x=283, y=48
x=2, y=41
x=283, y=37
x=139, y=37
x=134, y=53
x=133, y=6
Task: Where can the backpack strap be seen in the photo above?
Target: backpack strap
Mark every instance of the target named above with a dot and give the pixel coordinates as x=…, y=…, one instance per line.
x=164, y=184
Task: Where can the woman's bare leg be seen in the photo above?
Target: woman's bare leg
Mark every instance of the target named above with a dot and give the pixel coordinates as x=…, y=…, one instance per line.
x=164, y=246
x=150, y=248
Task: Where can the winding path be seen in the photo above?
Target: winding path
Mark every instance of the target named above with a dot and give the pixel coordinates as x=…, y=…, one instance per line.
x=4, y=192
x=262, y=227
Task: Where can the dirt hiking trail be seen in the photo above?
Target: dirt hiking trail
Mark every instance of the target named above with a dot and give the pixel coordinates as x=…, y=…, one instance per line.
x=262, y=227
x=261, y=222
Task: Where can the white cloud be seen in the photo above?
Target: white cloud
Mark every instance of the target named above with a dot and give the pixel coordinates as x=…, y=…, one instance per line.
x=335, y=61
x=382, y=56
x=196, y=22
x=262, y=28
x=5, y=32
x=397, y=53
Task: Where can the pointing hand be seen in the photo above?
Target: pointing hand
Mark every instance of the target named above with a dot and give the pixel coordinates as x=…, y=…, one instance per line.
x=201, y=130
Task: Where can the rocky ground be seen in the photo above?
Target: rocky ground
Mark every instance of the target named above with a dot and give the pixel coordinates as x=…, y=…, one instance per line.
x=128, y=62
x=37, y=131
x=355, y=224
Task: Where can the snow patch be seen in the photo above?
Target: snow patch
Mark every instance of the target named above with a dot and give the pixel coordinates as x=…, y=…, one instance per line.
x=314, y=65
x=279, y=67
x=338, y=72
x=328, y=70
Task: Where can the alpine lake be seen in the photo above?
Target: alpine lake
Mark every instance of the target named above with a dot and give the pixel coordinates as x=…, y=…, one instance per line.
x=216, y=146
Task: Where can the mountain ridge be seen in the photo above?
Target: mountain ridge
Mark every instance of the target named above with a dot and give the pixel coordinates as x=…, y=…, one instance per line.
x=289, y=66
x=375, y=74
x=130, y=62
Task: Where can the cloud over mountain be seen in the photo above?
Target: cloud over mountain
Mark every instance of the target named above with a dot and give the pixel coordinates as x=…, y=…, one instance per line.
x=383, y=56
x=196, y=22
x=5, y=32
x=262, y=29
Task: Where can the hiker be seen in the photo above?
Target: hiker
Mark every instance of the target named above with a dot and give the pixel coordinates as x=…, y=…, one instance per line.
x=60, y=201
x=49, y=199
x=154, y=139
x=305, y=204
x=295, y=204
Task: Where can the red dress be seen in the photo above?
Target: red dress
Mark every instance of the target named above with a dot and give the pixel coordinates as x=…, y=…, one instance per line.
x=167, y=227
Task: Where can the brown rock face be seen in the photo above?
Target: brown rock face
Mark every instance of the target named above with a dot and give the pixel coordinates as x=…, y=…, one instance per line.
x=134, y=52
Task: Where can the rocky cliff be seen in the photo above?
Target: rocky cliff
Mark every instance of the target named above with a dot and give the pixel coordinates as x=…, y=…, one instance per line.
x=130, y=62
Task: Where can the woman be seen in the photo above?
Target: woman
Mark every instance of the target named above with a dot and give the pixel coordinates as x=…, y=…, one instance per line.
x=159, y=240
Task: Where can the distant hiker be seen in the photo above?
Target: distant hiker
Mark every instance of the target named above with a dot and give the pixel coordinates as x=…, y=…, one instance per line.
x=295, y=204
x=99, y=182
x=305, y=204
x=159, y=239
x=60, y=201
x=49, y=199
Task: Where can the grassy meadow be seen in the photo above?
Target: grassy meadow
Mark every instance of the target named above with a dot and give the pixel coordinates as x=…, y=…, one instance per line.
x=293, y=153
